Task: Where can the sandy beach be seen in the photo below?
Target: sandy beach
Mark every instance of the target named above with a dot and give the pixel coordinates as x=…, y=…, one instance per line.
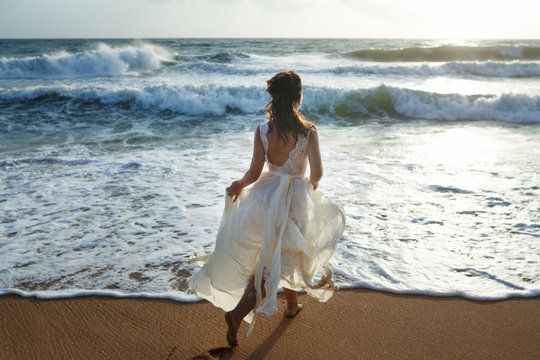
x=354, y=324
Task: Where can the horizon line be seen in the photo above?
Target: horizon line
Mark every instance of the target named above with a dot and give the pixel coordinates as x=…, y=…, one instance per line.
x=263, y=37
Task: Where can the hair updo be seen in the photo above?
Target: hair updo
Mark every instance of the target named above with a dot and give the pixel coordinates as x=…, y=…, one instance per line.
x=286, y=90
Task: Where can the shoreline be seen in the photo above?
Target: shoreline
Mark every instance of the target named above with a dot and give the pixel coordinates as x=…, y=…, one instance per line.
x=355, y=323
x=191, y=298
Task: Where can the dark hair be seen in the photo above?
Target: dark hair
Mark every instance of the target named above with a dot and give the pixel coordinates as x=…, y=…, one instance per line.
x=286, y=89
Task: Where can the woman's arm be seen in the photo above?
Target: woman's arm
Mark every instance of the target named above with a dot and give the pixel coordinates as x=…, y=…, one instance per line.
x=257, y=164
x=315, y=161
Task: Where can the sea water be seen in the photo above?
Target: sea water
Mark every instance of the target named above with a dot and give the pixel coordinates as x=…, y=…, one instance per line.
x=115, y=155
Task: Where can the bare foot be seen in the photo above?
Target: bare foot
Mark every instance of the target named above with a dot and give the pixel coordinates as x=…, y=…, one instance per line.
x=232, y=330
x=293, y=310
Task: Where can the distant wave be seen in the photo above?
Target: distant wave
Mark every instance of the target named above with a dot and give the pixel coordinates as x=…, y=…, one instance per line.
x=449, y=53
x=105, y=60
x=381, y=101
x=221, y=57
x=514, y=69
x=483, y=69
x=210, y=67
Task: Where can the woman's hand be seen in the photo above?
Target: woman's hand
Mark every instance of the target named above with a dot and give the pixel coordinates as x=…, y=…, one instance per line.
x=234, y=190
x=257, y=163
x=315, y=185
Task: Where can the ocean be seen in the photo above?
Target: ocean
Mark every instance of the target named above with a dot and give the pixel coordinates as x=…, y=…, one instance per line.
x=115, y=155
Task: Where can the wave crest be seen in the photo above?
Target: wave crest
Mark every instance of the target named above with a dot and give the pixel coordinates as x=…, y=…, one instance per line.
x=482, y=69
x=377, y=102
x=105, y=60
x=449, y=53
x=402, y=103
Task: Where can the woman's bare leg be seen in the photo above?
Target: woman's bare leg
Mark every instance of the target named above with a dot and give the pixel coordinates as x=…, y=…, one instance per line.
x=293, y=307
x=244, y=306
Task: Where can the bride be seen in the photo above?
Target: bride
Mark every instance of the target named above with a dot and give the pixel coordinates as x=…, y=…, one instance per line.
x=279, y=232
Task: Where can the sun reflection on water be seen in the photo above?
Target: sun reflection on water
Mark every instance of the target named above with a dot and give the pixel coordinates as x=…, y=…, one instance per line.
x=461, y=146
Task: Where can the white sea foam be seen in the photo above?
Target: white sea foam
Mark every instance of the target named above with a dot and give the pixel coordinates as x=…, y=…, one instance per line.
x=511, y=51
x=510, y=108
x=452, y=69
x=128, y=223
x=382, y=100
x=55, y=294
x=320, y=64
x=105, y=60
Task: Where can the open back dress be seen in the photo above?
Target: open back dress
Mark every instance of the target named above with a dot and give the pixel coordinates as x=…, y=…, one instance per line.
x=279, y=230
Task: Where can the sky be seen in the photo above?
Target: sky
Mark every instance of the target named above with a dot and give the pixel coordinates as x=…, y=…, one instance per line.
x=456, y=19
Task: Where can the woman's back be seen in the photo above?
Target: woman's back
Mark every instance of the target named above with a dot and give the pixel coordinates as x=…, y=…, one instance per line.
x=290, y=157
x=278, y=151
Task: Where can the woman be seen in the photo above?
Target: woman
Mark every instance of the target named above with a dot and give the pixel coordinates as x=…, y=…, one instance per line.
x=280, y=231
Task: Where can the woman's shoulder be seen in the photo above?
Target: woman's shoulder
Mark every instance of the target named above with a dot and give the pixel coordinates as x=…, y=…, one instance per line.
x=313, y=133
x=309, y=126
x=261, y=130
x=311, y=129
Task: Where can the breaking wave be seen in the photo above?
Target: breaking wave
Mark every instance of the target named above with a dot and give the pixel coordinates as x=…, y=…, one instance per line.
x=105, y=60
x=482, y=69
x=449, y=53
x=380, y=101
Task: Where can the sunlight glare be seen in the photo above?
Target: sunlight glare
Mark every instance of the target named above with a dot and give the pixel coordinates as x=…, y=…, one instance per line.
x=464, y=18
x=458, y=146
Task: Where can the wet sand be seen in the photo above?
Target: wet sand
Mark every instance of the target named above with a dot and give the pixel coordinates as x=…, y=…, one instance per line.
x=354, y=324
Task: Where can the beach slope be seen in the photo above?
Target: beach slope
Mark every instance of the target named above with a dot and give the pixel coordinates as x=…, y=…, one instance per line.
x=354, y=324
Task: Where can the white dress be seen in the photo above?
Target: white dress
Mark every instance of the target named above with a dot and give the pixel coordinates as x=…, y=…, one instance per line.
x=280, y=230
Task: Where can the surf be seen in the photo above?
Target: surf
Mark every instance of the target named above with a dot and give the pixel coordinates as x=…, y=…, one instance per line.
x=448, y=53
x=103, y=61
x=399, y=103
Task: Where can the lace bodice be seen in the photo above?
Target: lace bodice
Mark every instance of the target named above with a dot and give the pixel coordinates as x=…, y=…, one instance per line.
x=296, y=163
